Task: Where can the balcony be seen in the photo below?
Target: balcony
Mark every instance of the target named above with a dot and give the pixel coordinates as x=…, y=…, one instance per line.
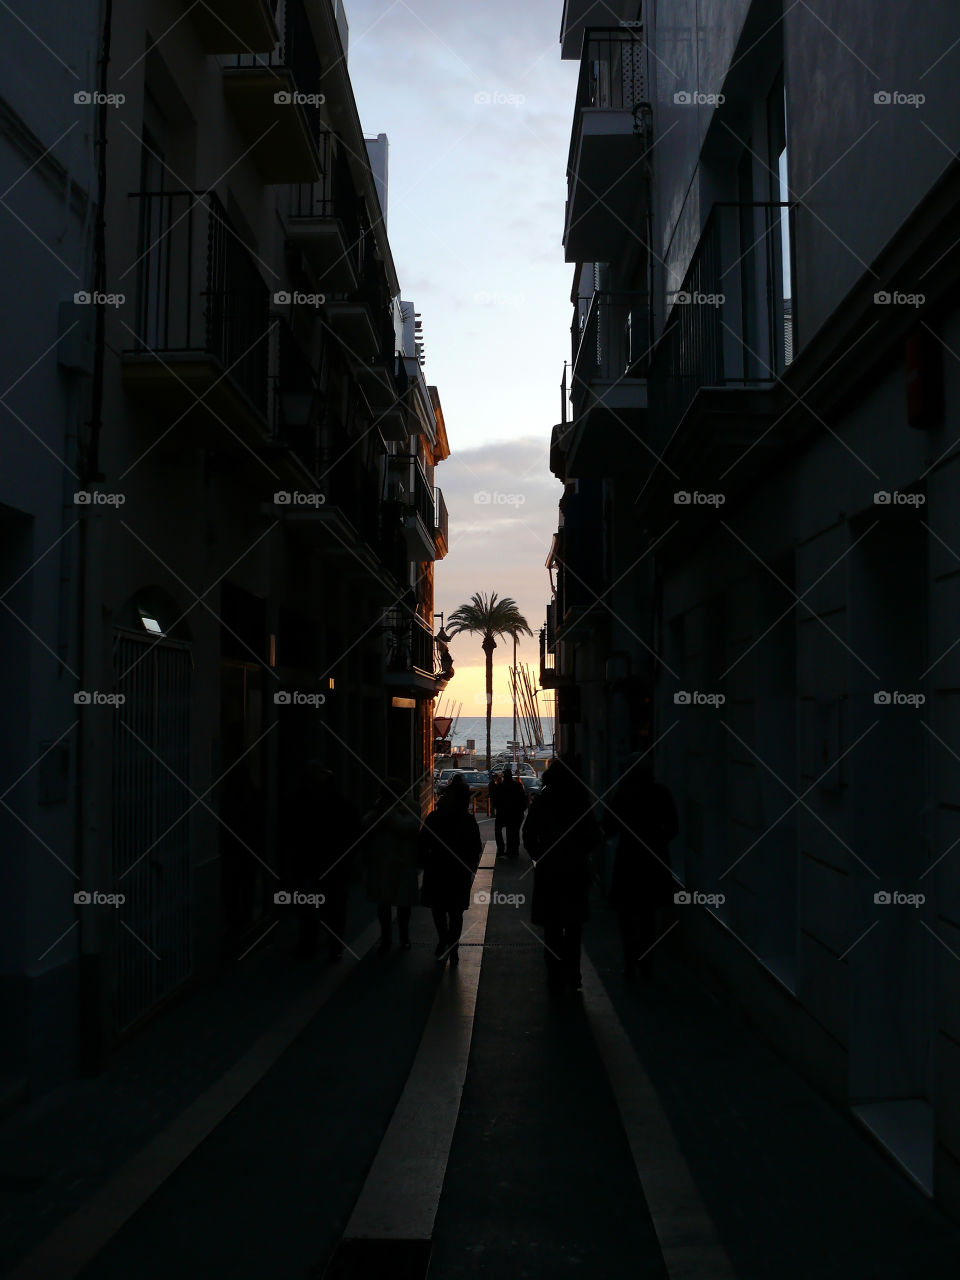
x=409, y=652
x=266, y=93
x=550, y=674
x=608, y=165
x=326, y=220
x=610, y=344
x=358, y=318
x=728, y=338
x=441, y=525
x=578, y=555
x=410, y=490
x=202, y=323
x=235, y=26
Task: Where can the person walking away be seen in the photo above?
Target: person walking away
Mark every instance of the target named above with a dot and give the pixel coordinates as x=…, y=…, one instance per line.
x=643, y=817
x=559, y=834
x=391, y=859
x=322, y=827
x=512, y=806
x=493, y=804
x=450, y=849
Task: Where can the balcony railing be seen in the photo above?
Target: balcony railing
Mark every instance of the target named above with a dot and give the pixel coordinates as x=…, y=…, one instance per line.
x=409, y=642
x=199, y=291
x=334, y=196
x=410, y=487
x=296, y=52
x=610, y=337
x=611, y=132
x=441, y=523
x=730, y=324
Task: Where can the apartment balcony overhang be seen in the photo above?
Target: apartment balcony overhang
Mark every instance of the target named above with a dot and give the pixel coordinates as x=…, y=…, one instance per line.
x=579, y=15
x=606, y=183
x=277, y=132
x=441, y=526
x=421, y=544
x=192, y=394
x=608, y=163
x=609, y=433
x=326, y=245
x=327, y=528
x=377, y=382
x=200, y=357
x=409, y=663
x=235, y=26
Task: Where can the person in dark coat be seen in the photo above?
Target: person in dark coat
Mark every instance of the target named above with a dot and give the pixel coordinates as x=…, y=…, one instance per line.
x=321, y=830
x=559, y=834
x=493, y=793
x=391, y=859
x=643, y=817
x=450, y=849
x=510, y=805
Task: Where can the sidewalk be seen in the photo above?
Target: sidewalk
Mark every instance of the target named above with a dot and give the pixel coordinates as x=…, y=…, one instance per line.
x=57, y=1153
x=638, y=1132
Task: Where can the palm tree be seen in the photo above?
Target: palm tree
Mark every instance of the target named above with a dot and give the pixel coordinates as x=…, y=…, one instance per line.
x=489, y=617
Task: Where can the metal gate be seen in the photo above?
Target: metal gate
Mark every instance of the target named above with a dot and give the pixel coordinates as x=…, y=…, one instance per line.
x=151, y=834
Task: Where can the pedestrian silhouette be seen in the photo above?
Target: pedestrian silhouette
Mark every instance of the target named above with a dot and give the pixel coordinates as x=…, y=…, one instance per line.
x=510, y=804
x=450, y=848
x=559, y=834
x=391, y=859
x=643, y=817
x=321, y=827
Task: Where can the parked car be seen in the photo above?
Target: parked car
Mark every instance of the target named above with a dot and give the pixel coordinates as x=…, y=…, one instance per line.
x=531, y=783
x=443, y=777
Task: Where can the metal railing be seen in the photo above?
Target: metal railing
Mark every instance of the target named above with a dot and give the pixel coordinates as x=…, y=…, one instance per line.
x=199, y=290
x=410, y=487
x=611, y=74
x=610, y=337
x=297, y=53
x=410, y=645
x=730, y=324
x=441, y=518
x=333, y=196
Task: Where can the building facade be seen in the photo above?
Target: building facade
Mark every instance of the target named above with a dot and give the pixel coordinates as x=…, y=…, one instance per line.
x=782, y=183
x=252, y=499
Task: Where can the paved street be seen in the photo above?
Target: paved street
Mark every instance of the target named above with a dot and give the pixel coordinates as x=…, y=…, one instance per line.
x=385, y=1117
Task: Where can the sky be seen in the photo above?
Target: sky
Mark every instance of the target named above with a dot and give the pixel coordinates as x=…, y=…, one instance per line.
x=478, y=107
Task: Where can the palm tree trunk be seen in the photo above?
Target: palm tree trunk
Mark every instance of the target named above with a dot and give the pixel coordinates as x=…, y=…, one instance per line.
x=489, y=644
